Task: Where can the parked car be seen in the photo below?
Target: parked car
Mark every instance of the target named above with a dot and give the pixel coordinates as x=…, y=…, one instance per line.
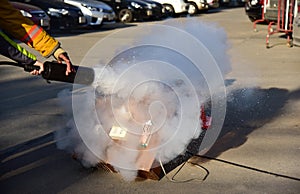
x=174, y=7
x=36, y=14
x=96, y=12
x=158, y=10
x=253, y=9
x=62, y=15
x=135, y=10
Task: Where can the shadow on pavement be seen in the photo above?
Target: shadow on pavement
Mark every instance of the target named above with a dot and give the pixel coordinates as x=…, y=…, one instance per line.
x=15, y=91
x=88, y=29
x=248, y=109
x=37, y=166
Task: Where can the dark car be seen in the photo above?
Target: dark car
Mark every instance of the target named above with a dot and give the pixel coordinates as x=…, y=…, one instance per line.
x=158, y=10
x=63, y=16
x=253, y=9
x=135, y=10
x=34, y=13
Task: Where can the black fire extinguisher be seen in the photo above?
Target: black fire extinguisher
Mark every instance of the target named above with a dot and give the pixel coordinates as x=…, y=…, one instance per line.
x=57, y=72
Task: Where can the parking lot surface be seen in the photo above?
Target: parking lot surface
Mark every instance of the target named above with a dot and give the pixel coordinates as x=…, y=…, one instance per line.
x=258, y=150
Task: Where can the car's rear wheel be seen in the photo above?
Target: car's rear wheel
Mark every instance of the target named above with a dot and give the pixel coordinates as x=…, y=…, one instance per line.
x=169, y=10
x=125, y=15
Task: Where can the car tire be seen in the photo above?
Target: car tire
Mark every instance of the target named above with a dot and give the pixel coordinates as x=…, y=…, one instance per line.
x=125, y=16
x=169, y=10
x=193, y=9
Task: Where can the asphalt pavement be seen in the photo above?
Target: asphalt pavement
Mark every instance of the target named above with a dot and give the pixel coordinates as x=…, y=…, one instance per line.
x=258, y=150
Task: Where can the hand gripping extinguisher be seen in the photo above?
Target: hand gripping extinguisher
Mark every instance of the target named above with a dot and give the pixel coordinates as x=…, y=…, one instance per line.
x=57, y=72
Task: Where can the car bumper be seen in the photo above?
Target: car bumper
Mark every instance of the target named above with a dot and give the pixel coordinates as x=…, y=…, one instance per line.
x=63, y=23
x=94, y=18
x=109, y=18
x=157, y=12
x=97, y=18
x=70, y=21
x=142, y=14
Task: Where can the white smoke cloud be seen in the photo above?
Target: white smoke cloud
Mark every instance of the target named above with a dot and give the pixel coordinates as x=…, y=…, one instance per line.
x=145, y=82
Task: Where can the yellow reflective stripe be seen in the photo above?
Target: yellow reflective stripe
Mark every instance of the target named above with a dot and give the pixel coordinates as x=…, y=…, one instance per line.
x=18, y=47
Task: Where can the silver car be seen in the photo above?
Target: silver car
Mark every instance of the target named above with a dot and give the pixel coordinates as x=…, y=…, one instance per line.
x=96, y=12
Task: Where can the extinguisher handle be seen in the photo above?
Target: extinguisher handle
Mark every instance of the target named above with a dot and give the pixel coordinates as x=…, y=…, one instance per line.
x=30, y=68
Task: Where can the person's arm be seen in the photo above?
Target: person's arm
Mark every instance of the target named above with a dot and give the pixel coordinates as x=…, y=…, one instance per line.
x=12, y=50
x=14, y=23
